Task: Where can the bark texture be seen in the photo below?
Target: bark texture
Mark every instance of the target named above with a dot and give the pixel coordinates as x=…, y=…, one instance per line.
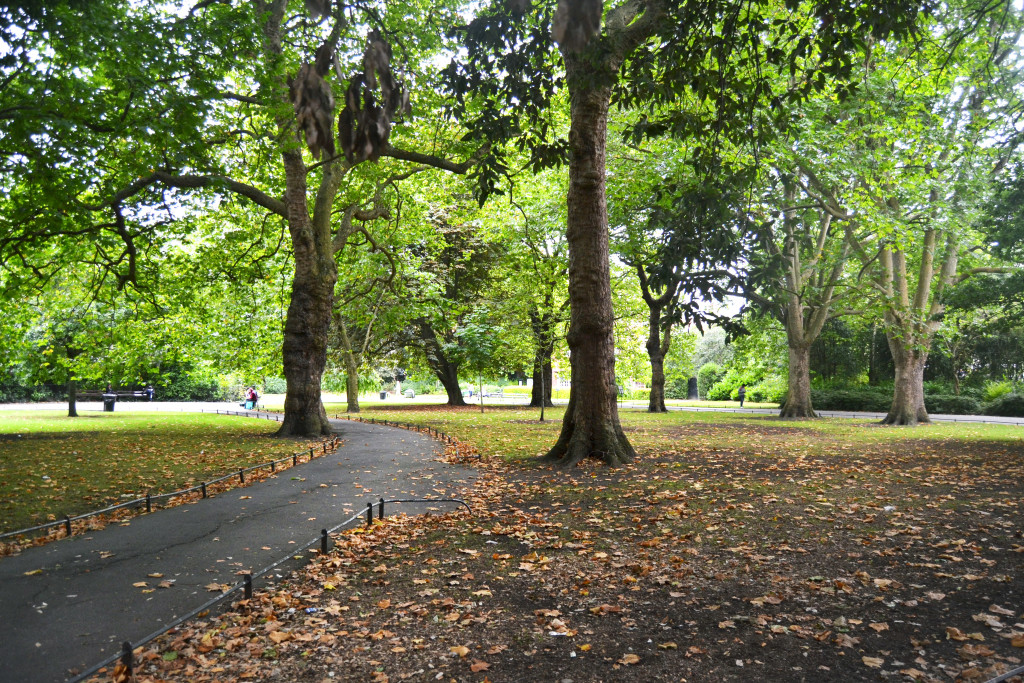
x=309, y=313
x=798, y=398
x=908, y=389
x=543, y=327
x=591, y=425
x=446, y=370
x=72, y=398
x=659, y=335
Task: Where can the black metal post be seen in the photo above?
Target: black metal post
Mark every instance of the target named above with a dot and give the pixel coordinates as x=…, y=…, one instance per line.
x=323, y=541
x=247, y=580
x=310, y=453
x=241, y=476
x=126, y=659
x=149, y=503
x=273, y=466
x=203, y=485
x=369, y=514
x=67, y=524
x=295, y=459
x=380, y=509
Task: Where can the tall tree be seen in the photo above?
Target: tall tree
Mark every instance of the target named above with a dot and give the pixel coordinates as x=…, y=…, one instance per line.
x=153, y=114
x=920, y=152
x=644, y=53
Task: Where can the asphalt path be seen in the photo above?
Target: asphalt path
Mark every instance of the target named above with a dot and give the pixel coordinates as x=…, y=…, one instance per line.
x=68, y=605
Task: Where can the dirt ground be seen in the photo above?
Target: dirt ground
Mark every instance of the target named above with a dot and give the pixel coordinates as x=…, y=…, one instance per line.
x=757, y=561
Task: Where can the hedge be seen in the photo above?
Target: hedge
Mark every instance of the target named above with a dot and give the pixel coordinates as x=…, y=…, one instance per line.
x=1008, y=405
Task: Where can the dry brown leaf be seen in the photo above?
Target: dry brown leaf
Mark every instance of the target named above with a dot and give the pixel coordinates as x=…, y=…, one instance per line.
x=460, y=650
x=630, y=659
x=873, y=662
x=479, y=665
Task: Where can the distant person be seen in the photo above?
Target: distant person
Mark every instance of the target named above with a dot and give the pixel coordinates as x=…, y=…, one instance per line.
x=109, y=390
x=149, y=392
x=255, y=396
x=742, y=393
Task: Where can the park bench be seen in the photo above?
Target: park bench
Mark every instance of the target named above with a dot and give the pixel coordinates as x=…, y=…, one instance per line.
x=120, y=393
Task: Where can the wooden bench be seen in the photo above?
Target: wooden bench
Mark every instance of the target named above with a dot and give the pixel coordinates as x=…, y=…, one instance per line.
x=120, y=393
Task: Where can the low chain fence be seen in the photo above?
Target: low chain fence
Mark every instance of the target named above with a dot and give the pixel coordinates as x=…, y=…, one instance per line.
x=245, y=587
x=205, y=488
x=125, y=657
x=460, y=450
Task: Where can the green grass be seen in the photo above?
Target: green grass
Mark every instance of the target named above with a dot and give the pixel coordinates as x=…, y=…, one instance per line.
x=514, y=433
x=52, y=465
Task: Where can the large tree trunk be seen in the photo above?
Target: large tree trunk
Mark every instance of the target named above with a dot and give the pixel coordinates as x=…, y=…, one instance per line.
x=72, y=397
x=798, y=398
x=448, y=374
x=908, y=390
x=542, y=326
x=542, y=375
x=351, y=383
x=309, y=313
x=657, y=347
x=445, y=371
x=591, y=426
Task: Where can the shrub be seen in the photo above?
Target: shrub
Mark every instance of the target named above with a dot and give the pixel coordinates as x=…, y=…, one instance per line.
x=994, y=390
x=771, y=390
x=275, y=385
x=951, y=405
x=1007, y=405
x=677, y=387
x=867, y=400
x=707, y=377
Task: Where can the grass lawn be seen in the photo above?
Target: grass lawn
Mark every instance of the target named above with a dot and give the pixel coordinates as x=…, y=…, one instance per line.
x=53, y=465
x=736, y=548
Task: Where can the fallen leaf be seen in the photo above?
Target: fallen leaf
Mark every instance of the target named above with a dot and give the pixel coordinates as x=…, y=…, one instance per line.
x=667, y=646
x=460, y=650
x=630, y=659
x=479, y=665
x=970, y=651
x=873, y=662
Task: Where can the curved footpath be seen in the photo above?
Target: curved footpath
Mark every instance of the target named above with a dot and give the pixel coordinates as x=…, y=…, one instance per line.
x=68, y=605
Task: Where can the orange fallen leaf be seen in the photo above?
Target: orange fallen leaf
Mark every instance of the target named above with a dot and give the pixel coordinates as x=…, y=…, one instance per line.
x=460, y=650
x=630, y=659
x=479, y=665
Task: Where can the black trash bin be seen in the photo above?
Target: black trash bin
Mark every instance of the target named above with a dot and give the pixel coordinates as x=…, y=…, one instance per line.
x=108, y=402
x=383, y=395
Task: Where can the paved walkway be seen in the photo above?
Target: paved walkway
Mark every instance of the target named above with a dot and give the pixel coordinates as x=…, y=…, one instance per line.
x=68, y=605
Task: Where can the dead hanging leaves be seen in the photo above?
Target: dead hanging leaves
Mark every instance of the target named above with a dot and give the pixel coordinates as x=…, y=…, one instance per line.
x=374, y=99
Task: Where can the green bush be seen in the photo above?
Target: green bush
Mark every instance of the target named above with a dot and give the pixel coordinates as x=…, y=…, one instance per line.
x=707, y=377
x=866, y=400
x=995, y=390
x=678, y=387
x=275, y=385
x=771, y=390
x=1007, y=405
x=948, y=404
x=719, y=392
